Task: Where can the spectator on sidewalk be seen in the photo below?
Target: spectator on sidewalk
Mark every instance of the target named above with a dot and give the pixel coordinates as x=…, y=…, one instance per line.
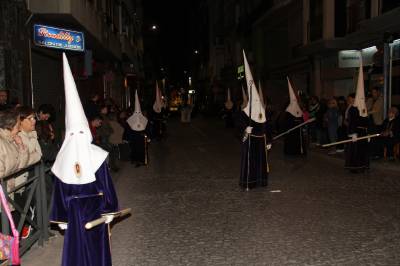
x=390, y=134
x=29, y=138
x=91, y=107
x=342, y=131
x=4, y=100
x=45, y=133
x=94, y=123
x=13, y=153
x=331, y=118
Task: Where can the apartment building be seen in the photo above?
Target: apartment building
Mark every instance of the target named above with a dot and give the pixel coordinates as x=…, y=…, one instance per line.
x=110, y=61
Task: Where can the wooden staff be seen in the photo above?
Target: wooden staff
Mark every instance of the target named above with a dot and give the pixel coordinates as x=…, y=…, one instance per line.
x=350, y=140
x=103, y=219
x=294, y=128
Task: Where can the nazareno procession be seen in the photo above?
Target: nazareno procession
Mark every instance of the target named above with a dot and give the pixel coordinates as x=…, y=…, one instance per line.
x=84, y=202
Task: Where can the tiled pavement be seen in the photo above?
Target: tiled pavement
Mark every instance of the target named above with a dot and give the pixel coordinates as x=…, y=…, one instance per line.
x=188, y=209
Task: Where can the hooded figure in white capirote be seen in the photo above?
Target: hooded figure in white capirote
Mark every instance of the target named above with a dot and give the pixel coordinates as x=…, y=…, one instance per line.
x=78, y=159
x=158, y=103
x=357, y=152
x=295, y=141
x=228, y=110
x=83, y=188
x=256, y=137
x=137, y=121
x=136, y=135
x=158, y=116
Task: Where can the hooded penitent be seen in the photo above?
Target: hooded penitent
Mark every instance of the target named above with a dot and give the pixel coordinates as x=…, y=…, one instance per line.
x=359, y=101
x=293, y=108
x=137, y=121
x=229, y=103
x=245, y=101
x=260, y=92
x=158, y=104
x=257, y=110
x=78, y=159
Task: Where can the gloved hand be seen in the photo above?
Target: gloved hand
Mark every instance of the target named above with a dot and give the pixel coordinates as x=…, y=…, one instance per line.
x=63, y=226
x=353, y=137
x=269, y=146
x=109, y=218
x=248, y=130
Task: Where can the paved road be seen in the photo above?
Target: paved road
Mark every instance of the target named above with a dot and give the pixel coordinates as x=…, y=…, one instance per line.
x=188, y=209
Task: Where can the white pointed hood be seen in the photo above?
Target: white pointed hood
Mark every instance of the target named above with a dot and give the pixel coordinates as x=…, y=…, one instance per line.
x=359, y=101
x=158, y=104
x=245, y=100
x=137, y=121
x=293, y=108
x=257, y=110
x=78, y=160
x=260, y=92
x=228, y=103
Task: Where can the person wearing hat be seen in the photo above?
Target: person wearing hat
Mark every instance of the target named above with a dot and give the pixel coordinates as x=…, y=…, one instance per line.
x=356, y=152
x=136, y=134
x=83, y=188
x=256, y=140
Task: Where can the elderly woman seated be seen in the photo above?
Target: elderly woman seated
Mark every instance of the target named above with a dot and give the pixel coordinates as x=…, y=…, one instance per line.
x=13, y=153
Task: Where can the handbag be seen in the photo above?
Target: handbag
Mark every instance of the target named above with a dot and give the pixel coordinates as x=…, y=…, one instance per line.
x=9, y=245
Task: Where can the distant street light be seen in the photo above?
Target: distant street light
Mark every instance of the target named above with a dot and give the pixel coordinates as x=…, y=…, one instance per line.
x=154, y=27
x=196, y=51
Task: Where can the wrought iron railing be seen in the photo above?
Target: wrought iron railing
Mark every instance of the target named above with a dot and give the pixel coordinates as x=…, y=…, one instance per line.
x=35, y=195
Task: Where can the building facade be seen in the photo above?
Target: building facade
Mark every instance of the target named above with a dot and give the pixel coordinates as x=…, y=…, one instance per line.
x=110, y=64
x=316, y=43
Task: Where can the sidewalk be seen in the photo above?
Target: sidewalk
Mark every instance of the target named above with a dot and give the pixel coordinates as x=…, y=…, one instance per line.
x=380, y=164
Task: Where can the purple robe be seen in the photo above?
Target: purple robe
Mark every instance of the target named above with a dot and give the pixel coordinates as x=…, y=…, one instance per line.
x=77, y=205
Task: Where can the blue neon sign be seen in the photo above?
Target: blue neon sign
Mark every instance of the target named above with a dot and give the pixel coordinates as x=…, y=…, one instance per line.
x=58, y=38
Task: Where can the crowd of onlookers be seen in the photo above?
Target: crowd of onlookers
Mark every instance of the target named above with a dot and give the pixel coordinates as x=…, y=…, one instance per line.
x=331, y=123
x=28, y=136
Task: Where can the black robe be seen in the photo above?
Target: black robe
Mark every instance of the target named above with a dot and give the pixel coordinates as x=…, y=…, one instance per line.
x=295, y=141
x=257, y=155
x=228, y=116
x=158, y=124
x=138, y=145
x=78, y=204
x=357, y=153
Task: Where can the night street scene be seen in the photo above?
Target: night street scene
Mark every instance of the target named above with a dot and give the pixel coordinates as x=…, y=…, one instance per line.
x=202, y=132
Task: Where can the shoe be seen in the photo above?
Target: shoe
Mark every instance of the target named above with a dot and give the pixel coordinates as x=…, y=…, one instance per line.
x=340, y=150
x=26, y=230
x=332, y=153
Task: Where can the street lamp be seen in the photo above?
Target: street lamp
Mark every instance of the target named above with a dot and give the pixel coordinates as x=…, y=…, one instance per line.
x=154, y=27
x=196, y=51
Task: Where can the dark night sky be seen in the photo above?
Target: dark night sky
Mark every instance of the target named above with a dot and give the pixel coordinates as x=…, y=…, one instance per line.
x=173, y=43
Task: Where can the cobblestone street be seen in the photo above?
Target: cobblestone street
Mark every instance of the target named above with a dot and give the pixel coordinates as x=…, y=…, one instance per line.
x=187, y=209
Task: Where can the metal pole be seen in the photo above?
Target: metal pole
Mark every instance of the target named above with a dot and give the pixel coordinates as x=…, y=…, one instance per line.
x=249, y=138
x=386, y=78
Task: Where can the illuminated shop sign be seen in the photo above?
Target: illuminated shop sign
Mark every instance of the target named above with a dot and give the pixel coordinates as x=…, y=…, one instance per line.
x=351, y=58
x=58, y=38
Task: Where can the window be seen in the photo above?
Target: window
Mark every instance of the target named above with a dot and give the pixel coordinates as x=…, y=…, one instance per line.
x=315, y=22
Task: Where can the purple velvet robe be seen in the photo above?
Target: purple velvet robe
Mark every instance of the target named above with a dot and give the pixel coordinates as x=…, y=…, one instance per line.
x=77, y=205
